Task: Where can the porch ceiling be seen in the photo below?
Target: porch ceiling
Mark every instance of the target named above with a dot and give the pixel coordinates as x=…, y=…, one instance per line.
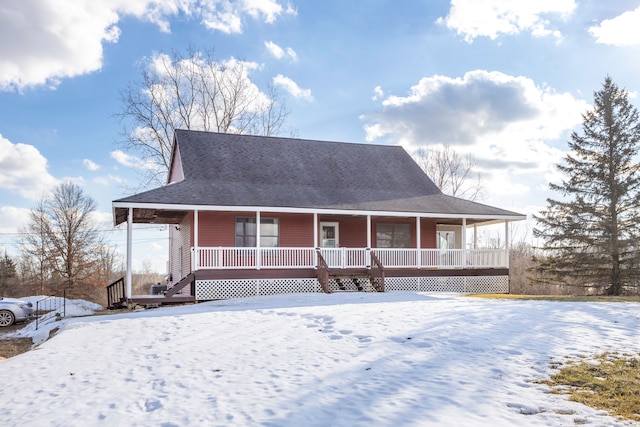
x=150, y=216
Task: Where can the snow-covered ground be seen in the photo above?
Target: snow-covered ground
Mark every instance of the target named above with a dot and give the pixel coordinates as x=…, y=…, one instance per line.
x=344, y=359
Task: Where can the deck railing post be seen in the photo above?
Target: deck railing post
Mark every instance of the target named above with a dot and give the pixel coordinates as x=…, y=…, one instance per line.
x=464, y=243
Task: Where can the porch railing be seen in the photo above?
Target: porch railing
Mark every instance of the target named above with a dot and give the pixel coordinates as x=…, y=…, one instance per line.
x=237, y=258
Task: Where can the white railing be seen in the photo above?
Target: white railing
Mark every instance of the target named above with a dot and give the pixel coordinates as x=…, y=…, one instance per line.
x=397, y=258
x=230, y=258
x=442, y=258
x=487, y=258
x=346, y=257
x=288, y=258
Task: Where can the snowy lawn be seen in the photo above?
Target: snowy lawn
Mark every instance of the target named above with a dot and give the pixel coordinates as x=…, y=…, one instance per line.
x=344, y=359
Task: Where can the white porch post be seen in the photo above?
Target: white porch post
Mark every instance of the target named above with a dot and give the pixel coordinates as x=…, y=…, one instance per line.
x=506, y=242
x=475, y=236
x=196, y=261
x=258, y=252
x=315, y=239
x=368, y=254
x=129, y=252
x=464, y=242
x=418, y=243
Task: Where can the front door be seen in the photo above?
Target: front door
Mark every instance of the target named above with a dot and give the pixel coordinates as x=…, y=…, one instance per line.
x=329, y=235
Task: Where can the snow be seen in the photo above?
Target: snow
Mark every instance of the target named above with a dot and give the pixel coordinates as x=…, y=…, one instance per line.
x=343, y=359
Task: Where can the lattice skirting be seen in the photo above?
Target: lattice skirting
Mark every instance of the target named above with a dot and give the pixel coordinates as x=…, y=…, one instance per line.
x=462, y=284
x=239, y=288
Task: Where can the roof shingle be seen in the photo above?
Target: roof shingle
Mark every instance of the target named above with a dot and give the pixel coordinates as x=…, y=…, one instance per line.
x=244, y=170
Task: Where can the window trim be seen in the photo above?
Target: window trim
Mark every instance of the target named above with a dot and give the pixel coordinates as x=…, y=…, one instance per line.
x=395, y=235
x=252, y=220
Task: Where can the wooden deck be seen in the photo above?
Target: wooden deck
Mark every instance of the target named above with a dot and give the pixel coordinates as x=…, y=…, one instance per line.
x=187, y=284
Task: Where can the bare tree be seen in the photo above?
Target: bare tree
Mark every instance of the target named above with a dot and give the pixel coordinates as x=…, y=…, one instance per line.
x=34, y=248
x=62, y=235
x=452, y=173
x=193, y=91
x=108, y=264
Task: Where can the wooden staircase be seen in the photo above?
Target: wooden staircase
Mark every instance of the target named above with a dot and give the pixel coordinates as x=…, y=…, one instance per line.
x=116, y=297
x=351, y=280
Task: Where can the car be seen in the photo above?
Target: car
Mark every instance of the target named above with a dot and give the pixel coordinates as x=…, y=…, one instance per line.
x=14, y=310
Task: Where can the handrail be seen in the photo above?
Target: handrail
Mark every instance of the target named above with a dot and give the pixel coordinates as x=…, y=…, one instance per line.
x=376, y=273
x=115, y=293
x=187, y=280
x=51, y=307
x=323, y=273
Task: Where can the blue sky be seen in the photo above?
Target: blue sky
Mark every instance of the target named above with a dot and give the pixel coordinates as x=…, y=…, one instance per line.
x=505, y=81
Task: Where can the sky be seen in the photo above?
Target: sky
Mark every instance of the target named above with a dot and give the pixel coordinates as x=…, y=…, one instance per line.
x=505, y=81
x=342, y=359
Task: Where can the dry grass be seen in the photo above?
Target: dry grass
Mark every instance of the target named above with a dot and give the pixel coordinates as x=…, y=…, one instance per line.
x=14, y=347
x=566, y=298
x=610, y=382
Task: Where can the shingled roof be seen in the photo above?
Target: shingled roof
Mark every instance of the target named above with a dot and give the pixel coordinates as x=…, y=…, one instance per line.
x=243, y=170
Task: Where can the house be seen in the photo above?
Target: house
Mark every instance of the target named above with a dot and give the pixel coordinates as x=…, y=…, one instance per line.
x=253, y=215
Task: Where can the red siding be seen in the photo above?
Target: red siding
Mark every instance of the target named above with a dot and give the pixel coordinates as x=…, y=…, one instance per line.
x=296, y=230
x=428, y=234
x=218, y=228
x=352, y=230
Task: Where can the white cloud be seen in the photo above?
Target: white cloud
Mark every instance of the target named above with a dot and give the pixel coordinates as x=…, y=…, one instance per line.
x=110, y=180
x=51, y=41
x=90, y=165
x=12, y=219
x=23, y=170
x=132, y=161
x=506, y=123
x=377, y=93
x=279, y=52
x=292, y=54
x=267, y=10
x=274, y=49
x=291, y=10
x=490, y=18
x=292, y=87
x=103, y=219
x=619, y=31
x=226, y=16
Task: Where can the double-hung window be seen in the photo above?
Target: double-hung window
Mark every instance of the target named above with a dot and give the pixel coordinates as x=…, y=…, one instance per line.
x=246, y=232
x=393, y=236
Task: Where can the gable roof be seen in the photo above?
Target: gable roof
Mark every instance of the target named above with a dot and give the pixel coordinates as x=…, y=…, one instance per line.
x=256, y=171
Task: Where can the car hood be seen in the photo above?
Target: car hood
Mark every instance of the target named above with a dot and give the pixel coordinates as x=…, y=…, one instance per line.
x=13, y=301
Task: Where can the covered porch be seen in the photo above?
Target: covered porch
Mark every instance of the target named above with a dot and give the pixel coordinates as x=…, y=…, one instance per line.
x=201, y=244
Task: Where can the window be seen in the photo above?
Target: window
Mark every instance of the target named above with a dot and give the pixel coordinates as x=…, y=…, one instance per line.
x=393, y=236
x=446, y=239
x=246, y=232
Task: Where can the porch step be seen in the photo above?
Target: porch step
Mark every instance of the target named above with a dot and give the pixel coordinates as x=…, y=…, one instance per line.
x=351, y=283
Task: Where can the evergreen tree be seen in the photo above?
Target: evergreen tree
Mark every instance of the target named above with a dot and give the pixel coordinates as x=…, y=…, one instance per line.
x=591, y=234
x=7, y=274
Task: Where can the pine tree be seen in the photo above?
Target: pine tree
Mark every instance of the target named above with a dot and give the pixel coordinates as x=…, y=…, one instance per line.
x=7, y=274
x=591, y=234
